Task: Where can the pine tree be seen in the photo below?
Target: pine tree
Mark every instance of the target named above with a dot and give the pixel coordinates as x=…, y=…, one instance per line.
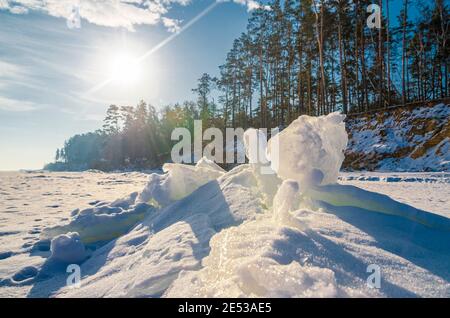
x=112, y=120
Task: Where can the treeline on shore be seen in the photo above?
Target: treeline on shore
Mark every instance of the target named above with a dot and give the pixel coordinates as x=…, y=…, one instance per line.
x=300, y=57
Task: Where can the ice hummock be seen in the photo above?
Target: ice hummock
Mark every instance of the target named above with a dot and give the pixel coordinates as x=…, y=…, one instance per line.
x=310, y=149
x=179, y=181
x=243, y=233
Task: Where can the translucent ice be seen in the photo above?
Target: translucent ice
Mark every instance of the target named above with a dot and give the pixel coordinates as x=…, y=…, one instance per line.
x=178, y=181
x=310, y=150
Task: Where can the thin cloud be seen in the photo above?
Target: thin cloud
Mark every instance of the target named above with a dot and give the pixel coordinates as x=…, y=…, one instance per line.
x=14, y=105
x=11, y=71
x=14, y=77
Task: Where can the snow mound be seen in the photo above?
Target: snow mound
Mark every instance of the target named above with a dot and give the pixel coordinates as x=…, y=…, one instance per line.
x=350, y=196
x=321, y=252
x=142, y=264
x=67, y=248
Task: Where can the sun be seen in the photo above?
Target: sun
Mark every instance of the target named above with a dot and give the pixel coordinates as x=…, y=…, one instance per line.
x=124, y=68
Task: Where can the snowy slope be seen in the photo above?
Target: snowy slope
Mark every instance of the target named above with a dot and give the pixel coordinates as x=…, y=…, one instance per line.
x=400, y=140
x=207, y=232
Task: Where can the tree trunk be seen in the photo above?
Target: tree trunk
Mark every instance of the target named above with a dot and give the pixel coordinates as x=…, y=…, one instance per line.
x=388, y=53
x=380, y=57
x=341, y=62
x=405, y=13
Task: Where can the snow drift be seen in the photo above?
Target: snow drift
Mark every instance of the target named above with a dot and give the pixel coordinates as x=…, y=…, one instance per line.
x=103, y=222
x=199, y=231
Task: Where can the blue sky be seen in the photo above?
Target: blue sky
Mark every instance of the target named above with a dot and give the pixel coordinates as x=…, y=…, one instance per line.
x=50, y=73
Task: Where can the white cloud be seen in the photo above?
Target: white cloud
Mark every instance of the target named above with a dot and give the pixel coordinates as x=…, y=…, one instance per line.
x=171, y=24
x=15, y=105
x=6, y=5
x=112, y=13
x=253, y=5
x=250, y=4
x=18, y=10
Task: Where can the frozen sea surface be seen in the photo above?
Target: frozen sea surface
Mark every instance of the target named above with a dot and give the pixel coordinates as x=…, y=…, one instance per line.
x=429, y=191
x=30, y=202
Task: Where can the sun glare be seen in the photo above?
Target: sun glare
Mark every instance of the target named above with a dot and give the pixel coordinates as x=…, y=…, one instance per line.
x=124, y=69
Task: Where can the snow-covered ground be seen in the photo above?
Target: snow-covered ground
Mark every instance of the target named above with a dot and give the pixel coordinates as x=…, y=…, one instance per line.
x=429, y=191
x=30, y=202
x=199, y=231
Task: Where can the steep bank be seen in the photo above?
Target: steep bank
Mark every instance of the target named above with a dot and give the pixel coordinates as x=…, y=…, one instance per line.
x=401, y=139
